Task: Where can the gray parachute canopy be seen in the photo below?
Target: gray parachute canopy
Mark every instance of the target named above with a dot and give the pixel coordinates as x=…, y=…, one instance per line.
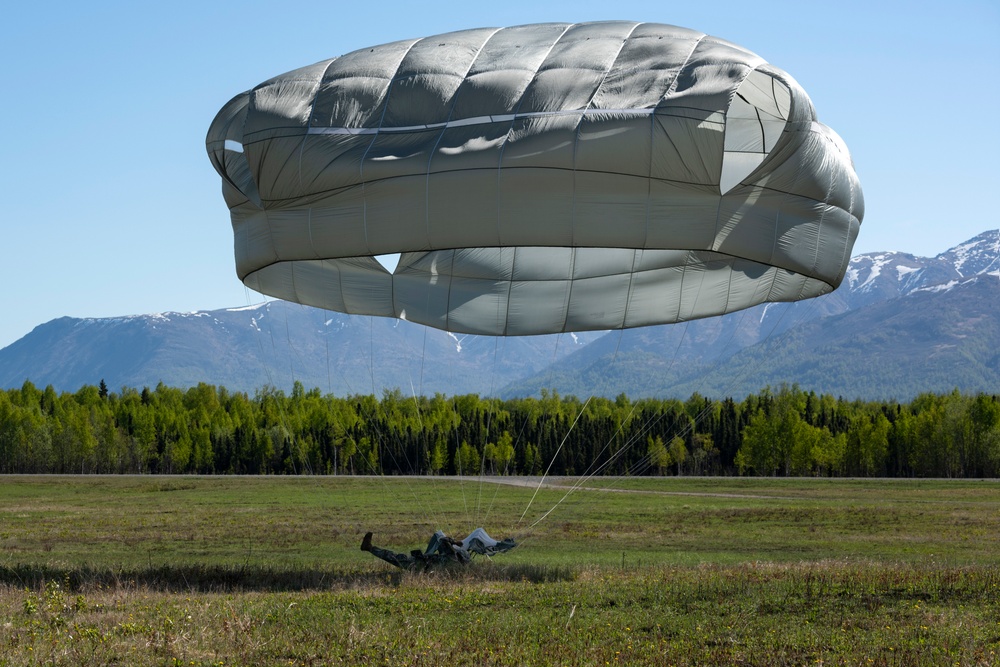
x=537, y=179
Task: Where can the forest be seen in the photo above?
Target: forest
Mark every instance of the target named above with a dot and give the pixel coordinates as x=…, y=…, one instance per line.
x=777, y=432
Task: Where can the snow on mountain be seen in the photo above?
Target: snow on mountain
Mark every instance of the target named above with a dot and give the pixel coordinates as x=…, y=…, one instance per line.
x=872, y=277
x=976, y=256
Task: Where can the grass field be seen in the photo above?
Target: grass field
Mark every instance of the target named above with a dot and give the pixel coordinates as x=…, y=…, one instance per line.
x=266, y=570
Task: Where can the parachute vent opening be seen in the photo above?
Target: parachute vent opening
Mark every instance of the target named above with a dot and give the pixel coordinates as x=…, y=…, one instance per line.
x=234, y=146
x=388, y=262
x=754, y=123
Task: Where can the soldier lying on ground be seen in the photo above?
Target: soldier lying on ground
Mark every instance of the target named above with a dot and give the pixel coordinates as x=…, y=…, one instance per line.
x=441, y=550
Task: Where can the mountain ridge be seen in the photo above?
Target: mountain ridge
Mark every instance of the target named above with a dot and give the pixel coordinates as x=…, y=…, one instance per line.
x=847, y=342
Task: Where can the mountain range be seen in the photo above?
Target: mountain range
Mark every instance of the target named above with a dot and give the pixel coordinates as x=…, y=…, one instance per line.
x=899, y=325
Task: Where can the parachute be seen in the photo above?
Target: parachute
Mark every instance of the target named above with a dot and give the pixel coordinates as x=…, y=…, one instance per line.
x=537, y=179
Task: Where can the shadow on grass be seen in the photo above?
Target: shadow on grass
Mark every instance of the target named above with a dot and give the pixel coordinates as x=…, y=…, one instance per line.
x=242, y=578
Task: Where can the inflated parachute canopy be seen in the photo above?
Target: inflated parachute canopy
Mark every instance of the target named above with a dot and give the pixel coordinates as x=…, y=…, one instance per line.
x=537, y=179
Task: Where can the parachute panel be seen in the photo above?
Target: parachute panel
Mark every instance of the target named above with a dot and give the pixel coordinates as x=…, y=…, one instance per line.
x=528, y=195
x=610, y=210
x=615, y=142
x=455, y=198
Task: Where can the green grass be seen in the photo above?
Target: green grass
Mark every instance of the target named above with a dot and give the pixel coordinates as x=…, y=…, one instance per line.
x=266, y=570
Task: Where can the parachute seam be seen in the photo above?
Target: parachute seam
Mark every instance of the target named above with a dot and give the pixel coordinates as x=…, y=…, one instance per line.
x=729, y=293
x=364, y=195
x=774, y=242
x=451, y=111
x=291, y=272
x=767, y=153
x=312, y=111
x=725, y=128
x=430, y=158
x=777, y=213
x=687, y=59
x=517, y=107
x=571, y=280
x=322, y=78
x=510, y=289
x=340, y=285
x=464, y=122
x=345, y=188
x=451, y=281
x=720, y=255
x=381, y=120
x=847, y=238
x=718, y=208
x=576, y=148
x=636, y=254
x=819, y=229
x=309, y=227
x=503, y=147
x=285, y=131
x=647, y=214
x=774, y=279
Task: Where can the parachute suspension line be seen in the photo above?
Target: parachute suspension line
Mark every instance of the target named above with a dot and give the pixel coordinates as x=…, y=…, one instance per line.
x=292, y=353
x=382, y=439
x=646, y=426
x=423, y=357
x=646, y=463
x=653, y=420
x=557, y=340
x=552, y=361
x=371, y=353
x=644, y=429
x=621, y=334
x=614, y=358
x=591, y=470
x=326, y=342
x=274, y=355
x=283, y=417
x=597, y=469
x=692, y=424
x=515, y=443
x=496, y=487
x=489, y=425
x=461, y=478
x=267, y=368
x=270, y=336
x=417, y=394
x=380, y=436
x=635, y=258
x=553, y=460
x=260, y=344
x=288, y=342
x=490, y=393
x=371, y=470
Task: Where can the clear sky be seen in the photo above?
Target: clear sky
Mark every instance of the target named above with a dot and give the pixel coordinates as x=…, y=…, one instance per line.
x=110, y=206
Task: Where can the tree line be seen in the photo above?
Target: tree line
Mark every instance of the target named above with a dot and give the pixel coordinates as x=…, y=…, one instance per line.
x=210, y=430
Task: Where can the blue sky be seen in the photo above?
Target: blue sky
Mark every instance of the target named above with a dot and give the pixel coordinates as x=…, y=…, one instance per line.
x=110, y=206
